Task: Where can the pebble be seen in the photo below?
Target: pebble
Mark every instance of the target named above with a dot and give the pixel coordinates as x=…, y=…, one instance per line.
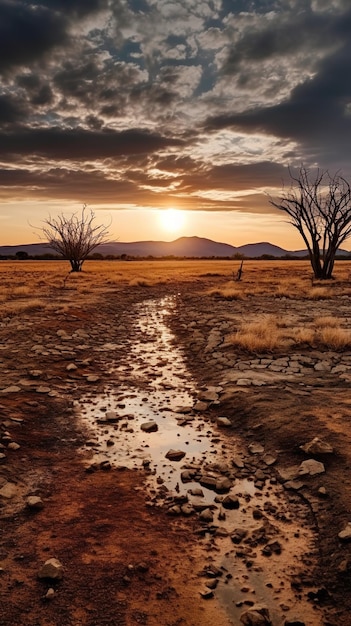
x=52, y=569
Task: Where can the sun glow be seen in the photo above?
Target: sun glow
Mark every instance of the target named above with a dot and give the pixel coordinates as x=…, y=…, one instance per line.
x=172, y=220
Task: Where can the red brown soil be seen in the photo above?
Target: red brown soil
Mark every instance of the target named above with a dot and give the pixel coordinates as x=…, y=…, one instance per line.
x=125, y=564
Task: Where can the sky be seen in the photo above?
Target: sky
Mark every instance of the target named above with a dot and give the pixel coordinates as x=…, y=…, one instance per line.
x=138, y=107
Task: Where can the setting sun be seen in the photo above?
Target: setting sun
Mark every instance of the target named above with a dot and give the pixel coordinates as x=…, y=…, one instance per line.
x=172, y=220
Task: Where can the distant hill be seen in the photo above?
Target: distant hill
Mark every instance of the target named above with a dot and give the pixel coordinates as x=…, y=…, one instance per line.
x=196, y=247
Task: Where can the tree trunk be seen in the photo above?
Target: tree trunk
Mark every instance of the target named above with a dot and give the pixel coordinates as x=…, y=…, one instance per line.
x=76, y=265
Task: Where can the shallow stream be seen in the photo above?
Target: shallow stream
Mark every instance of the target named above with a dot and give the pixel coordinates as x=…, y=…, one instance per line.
x=153, y=385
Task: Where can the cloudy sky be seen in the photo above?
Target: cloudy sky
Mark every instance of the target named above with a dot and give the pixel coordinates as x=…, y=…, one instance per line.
x=138, y=106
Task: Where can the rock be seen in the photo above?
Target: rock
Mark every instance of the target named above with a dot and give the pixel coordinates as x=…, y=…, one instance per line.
x=255, y=448
x=293, y=621
x=206, y=515
x=187, y=509
x=238, y=535
x=223, y=421
x=43, y=389
x=11, y=389
x=149, y=427
x=317, y=446
x=293, y=485
x=208, y=481
x=8, y=490
x=71, y=367
x=256, y=616
x=175, y=455
x=196, y=491
x=231, y=502
x=208, y=396
x=345, y=535
x=92, y=378
x=206, y=593
x=49, y=594
x=238, y=462
x=34, y=503
x=13, y=446
x=269, y=459
x=223, y=485
x=311, y=467
x=200, y=406
x=111, y=417
x=187, y=476
x=51, y=569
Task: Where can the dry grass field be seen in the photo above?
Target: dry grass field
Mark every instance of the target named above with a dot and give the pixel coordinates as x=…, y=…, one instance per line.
x=277, y=346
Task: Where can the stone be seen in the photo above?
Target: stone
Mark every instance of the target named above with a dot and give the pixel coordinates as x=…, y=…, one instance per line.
x=200, y=406
x=311, y=467
x=13, y=446
x=231, y=502
x=256, y=616
x=8, y=490
x=149, y=427
x=208, y=481
x=223, y=421
x=11, y=389
x=238, y=462
x=294, y=621
x=255, y=448
x=43, y=389
x=49, y=594
x=71, y=367
x=223, y=485
x=34, y=503
x=175, y=455
x=206, y=515
x=51, y=569
x=208, y=396
x=238, y=535
x=269, y=459
x=206, y=594
x=92, y=378
x=317, y=446
x=345, y=534
x=293, y=485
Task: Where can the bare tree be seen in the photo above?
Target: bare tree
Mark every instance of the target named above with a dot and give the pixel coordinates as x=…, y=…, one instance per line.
x=320, y=209
x=75, y=237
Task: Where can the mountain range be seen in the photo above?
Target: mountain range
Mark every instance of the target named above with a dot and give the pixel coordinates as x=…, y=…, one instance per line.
x=196, y=247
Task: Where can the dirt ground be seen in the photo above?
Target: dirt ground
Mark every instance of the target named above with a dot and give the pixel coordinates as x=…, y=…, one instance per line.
x=125, y=562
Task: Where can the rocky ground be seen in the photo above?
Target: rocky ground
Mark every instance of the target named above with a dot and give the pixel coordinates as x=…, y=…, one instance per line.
x=129, y=551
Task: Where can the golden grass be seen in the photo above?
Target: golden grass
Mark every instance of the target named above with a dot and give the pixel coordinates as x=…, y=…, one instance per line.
x=227, y=292
x=49, y=286
x=259, y=336
x=334, y=338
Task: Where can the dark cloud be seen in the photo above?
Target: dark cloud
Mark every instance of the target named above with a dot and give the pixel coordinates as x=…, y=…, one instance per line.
x=55, y=143
x=27, y=32
x=10, y=110
x=178, y=98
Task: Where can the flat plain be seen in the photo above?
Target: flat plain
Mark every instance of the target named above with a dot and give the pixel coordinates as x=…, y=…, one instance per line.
x=270, y=353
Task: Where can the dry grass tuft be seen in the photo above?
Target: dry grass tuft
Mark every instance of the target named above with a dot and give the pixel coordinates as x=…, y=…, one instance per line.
x=326, y=321
x=318, y=293
x=260, y=336
x=227, y=292
x=139, y=282
x=334, y=338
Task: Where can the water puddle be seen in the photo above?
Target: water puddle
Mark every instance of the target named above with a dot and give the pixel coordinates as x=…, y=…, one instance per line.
x=259, y=541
